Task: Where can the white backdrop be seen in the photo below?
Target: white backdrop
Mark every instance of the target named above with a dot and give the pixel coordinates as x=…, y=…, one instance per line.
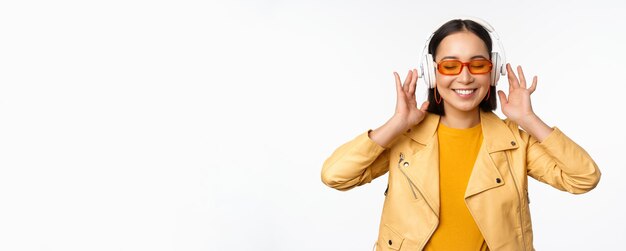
x=194, y=125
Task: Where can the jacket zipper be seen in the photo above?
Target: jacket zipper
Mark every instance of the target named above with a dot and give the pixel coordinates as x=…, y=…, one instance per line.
x=406, y=176
x=519, y=198
x=411, y=185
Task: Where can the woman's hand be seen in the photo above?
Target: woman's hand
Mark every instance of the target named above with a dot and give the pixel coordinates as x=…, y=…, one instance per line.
x=407, y=114
x=517, y=106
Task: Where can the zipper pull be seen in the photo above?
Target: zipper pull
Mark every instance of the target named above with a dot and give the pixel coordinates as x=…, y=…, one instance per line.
x=406, y=164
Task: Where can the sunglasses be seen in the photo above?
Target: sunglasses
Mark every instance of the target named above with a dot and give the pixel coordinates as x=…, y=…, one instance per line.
x=454, y=67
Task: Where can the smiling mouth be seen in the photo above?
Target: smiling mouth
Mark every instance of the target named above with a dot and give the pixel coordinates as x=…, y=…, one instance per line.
x=464, y=91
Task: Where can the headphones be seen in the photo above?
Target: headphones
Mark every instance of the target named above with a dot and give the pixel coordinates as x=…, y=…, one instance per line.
x=427, y=65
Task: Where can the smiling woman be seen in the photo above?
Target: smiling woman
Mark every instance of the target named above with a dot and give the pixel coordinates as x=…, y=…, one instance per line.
x=462, y=90
x=474, y=42
x=457, y=172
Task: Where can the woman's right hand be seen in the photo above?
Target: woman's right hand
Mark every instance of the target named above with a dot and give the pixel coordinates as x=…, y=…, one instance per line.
x=407, y=114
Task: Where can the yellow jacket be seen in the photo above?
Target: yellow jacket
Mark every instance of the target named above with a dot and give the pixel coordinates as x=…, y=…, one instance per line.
x=497, y=191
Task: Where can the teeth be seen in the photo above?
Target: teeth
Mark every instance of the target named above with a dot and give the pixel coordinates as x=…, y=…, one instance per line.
x=464, y=92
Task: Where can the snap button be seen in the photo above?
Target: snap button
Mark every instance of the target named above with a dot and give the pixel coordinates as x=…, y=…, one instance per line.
x=390, y=242
x=406, y=164
x=513, y=143
x=498, y=180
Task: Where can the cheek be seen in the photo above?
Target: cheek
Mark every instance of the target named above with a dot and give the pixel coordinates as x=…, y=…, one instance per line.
x=483, y=80
x=443, y=80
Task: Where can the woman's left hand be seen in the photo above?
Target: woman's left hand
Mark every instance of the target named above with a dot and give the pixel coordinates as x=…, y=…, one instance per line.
x=517, y=106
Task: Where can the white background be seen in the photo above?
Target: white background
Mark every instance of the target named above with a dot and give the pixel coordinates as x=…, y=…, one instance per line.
x=194, y=125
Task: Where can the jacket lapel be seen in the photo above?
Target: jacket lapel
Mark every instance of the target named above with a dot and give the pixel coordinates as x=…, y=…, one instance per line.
x=497, y=137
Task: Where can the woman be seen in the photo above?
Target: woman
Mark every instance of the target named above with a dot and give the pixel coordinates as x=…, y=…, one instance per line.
x=457, y=172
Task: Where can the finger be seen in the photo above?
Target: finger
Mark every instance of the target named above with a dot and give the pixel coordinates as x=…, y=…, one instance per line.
x=502, y=96
x=424, y=106
x=522, y=78
x=513, y=82
x=398, y=84
x=407, y=81
x=533, y=86
x=400, y=95
x=413, y=83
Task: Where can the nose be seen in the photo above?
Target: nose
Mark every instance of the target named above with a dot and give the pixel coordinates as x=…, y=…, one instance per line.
x=465, y=77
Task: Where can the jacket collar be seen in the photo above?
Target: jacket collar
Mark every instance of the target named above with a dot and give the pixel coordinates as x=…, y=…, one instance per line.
x=496, y=134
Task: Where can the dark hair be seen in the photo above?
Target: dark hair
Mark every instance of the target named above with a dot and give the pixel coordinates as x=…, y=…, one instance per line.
x=454, y=26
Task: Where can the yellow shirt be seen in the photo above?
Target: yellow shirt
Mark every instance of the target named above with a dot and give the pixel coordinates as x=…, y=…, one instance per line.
x=457, y=229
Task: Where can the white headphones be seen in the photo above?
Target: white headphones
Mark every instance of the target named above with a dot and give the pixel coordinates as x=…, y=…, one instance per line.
x=427, y=65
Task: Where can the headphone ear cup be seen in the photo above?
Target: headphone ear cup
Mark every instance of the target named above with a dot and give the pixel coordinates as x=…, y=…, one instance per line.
x=428, y=70
x=497, y=68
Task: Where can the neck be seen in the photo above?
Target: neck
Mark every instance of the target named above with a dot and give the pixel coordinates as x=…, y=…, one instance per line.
x=460, y=119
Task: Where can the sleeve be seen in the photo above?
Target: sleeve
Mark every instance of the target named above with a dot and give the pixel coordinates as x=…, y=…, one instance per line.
x=355, y=163
x=561, y=163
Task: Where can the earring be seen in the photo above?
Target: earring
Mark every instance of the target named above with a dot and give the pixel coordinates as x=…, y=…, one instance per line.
x=435, y=93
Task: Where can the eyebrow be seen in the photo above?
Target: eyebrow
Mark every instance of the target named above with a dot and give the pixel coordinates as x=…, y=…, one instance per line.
x=453, y=57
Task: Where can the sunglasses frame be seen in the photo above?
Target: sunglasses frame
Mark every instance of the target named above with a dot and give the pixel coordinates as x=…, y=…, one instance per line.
x=464, y=64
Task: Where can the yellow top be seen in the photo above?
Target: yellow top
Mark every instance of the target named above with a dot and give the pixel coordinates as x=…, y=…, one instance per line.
x=457, y=229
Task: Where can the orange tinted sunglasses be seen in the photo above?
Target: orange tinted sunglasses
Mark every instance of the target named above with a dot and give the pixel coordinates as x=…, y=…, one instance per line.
x=454, y=67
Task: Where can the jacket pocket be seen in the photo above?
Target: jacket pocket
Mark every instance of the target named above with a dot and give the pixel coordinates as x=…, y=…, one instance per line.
x=390, y=239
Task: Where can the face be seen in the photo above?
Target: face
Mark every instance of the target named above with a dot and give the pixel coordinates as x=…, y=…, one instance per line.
x=463, y=92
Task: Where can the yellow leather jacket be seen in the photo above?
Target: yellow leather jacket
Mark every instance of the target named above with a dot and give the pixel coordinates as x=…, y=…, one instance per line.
x=497, y=191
